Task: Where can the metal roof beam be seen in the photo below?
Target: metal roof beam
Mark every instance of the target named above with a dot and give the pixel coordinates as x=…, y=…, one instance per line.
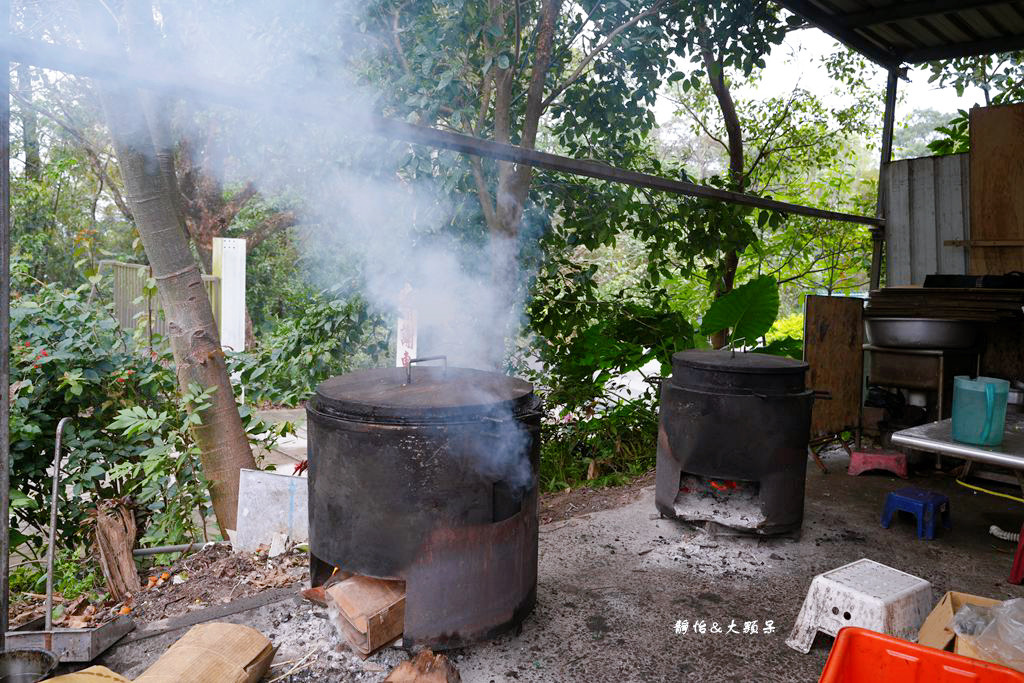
x=969, y=49
x=834, y=26
x=911, y=10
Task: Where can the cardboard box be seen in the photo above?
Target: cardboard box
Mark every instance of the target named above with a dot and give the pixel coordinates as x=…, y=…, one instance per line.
x=937, y=631
x=215, y=652
x=94, y=674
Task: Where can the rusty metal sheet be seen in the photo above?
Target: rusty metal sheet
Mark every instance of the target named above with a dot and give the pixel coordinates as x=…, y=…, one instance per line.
x=73, y=644
x=471, y=583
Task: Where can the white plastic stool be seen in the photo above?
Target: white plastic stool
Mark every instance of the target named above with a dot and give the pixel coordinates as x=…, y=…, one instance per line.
x=866, y=594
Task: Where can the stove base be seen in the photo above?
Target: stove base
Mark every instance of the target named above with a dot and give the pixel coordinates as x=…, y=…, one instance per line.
x=728, y=503
x=771, y=506
x=467, y=583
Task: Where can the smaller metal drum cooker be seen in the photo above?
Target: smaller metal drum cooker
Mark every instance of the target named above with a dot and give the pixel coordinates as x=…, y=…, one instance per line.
x=732, y=440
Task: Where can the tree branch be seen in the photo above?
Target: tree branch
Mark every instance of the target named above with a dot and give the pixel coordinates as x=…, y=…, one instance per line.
x=279, y=221
x=600, y=48
x=703, y=125
x=732, y=122
x=396, y=40
x=486, y=204
x=98, y=166
x=237, y=202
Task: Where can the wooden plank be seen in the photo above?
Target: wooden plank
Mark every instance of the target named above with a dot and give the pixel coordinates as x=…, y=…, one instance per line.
x=833, y=340
x=213, y=653
x=965, y=200
x=370, y=612
x=997, y=187
x=949, y=214
x=897, y=231
x=923, y=249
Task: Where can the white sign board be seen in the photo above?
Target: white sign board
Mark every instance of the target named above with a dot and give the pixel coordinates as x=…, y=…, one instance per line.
x=229, y=266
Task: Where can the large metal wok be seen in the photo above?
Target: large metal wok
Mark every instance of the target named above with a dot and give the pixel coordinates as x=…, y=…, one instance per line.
x=920, y=333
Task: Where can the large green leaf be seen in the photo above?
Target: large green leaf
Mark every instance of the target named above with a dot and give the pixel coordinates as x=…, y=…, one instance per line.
x=749, y=310
x=787, y=346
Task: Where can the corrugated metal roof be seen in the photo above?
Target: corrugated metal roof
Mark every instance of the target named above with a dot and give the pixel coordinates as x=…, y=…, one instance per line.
x=892, y=32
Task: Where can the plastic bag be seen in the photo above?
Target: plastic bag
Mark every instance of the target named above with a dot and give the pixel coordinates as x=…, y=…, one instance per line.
x=996, y=633
x=971, y=620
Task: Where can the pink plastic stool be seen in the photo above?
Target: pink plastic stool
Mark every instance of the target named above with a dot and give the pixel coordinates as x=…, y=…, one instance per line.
x=891, y=461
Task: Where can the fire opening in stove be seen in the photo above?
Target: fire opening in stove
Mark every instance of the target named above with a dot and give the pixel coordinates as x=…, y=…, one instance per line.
x=728, y=502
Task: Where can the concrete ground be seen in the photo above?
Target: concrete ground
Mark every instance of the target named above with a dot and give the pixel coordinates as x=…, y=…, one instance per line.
x=614, y=583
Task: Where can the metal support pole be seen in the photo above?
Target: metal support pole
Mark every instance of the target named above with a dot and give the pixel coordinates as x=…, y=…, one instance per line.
x=5, y=324
x=51, y=546
x=888, y=122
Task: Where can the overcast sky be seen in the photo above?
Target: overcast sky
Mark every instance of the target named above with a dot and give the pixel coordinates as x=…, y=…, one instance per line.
x=798, y=60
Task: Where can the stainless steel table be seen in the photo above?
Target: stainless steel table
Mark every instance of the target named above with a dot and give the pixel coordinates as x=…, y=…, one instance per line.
x=937, y=437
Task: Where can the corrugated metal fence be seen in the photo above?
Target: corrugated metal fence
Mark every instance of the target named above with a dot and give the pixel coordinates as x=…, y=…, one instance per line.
x=133, y=307
x=927, y=201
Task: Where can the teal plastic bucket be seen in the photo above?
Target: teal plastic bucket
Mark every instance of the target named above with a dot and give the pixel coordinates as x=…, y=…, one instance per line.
x=979, y=409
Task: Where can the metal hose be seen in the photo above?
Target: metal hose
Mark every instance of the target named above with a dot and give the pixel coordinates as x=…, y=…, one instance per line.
x=1005, y=535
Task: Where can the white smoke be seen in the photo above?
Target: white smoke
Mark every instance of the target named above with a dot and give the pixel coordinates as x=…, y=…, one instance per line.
x=284, y=104
x=311, y=139
x=277, y=88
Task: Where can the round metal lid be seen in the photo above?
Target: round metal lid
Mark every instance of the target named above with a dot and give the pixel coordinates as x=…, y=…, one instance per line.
x=434, y=395
x=740, y=362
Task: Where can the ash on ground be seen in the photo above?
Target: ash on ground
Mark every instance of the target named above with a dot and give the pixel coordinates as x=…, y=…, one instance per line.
x=310, y=644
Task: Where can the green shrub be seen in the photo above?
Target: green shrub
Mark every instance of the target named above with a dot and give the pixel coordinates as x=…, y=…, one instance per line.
x=599, y=447
x=129, y=434
x=331, y=336
x=791, y=326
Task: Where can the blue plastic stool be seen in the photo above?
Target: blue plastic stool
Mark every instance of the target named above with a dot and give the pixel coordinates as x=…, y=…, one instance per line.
x=925, y=505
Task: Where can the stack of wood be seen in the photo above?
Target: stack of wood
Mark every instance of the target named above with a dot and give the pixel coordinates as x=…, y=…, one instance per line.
x=370, y=613
x=980, y=305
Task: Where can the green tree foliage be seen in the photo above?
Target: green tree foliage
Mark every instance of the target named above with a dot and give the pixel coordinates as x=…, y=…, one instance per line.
x=328, y=335
x=913, y=135
x=619, y=277
x=1001, y=80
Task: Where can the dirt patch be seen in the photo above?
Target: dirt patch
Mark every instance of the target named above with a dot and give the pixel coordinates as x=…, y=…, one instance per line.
x=563, y=505
x=216, y=575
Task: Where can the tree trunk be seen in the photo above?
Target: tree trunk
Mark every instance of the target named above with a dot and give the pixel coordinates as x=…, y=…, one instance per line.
x=504, y=216
x=191, y=328
x=224, y=447
x=29, y=126
x=737, y=175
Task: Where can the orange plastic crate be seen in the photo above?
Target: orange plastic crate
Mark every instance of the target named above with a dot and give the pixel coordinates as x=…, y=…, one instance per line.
x=863, y=656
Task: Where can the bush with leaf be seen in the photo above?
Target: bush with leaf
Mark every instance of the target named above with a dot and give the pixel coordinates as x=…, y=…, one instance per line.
x=330, y=335
x=129, y=435
x=746, y=314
